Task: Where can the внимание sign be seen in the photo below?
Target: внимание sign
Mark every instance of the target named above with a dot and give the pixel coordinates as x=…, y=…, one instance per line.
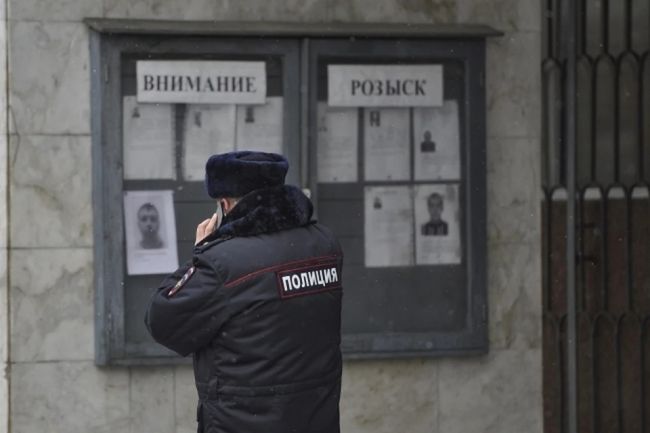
x=201, y=82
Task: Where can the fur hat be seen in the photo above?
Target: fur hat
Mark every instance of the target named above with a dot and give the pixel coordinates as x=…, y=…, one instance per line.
x=235, y=174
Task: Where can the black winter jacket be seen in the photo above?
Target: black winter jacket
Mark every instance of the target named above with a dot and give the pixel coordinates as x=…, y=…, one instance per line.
x=259, y=307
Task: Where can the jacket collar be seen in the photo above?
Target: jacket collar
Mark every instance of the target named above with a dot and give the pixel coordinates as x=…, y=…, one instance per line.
x=265, y=210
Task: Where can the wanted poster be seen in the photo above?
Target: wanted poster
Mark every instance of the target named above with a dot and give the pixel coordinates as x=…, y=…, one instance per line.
x=150, y=228
x=437, y=224
x=209, y=129
x=437, y=142
x=259, y=127
x=387, y=149
x=388, y=212
x=147, y=140
x=337, y=144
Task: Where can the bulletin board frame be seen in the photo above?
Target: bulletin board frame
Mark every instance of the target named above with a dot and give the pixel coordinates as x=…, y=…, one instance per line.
x=472, y=337
x=108, y=54
x=300, y=47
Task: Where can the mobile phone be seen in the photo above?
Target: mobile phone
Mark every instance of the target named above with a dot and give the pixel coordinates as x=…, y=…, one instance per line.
x=220, y=216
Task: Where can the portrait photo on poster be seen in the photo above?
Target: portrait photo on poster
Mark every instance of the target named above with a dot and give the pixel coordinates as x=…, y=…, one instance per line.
x=437, y=224
x=437, y=142
x=150, y=229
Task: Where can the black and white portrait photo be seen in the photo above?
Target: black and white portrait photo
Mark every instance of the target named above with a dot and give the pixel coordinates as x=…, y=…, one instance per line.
x=149, y=225
x=427, y=144
x=436, y=226
x=437, y=219
x=150, y=229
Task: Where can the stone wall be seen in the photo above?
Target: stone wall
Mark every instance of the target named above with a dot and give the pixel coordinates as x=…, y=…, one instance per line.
x=56, y=387
x=4, y=293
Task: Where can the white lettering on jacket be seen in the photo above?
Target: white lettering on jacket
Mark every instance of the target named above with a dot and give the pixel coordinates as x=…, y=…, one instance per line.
x=306, y=280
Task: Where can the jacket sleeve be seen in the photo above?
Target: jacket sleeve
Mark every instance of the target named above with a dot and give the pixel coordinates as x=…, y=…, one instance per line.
x=189, y=319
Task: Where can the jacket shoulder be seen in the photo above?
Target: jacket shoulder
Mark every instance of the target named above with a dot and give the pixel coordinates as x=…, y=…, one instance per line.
x=242, y=255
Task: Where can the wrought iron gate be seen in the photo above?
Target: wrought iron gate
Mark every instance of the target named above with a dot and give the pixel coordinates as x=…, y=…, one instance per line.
x=611, y=120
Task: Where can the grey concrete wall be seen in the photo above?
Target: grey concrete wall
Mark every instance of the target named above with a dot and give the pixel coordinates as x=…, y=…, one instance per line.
x=4, y=286
x=55, y=386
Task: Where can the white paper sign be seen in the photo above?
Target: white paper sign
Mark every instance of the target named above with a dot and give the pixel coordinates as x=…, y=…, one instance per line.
x=387, y=146
x=150, y=228
x=209, y=129
x=337, y=144
x=201, y=82
x=437, y=224
x=437, y=142
x=385, y=85
x=259, y=127
x=388, y=226
x=147, y=140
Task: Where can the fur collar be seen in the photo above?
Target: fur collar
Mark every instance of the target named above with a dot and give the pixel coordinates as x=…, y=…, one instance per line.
x=266, y=210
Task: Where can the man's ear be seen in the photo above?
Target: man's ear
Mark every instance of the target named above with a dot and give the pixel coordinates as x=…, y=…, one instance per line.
x=227, y=205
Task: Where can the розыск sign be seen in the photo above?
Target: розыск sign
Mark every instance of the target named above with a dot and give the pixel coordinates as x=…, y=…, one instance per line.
x=385, y=85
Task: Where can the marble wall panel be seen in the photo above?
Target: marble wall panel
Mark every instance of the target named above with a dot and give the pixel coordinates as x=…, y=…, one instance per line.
x=49, y=90
x=4, y=340
x=51, y=304
x=59, y=10
x=409, y=11
x=4, y=144
x=389, y=396
x=505, y=15
x=50, y=203
x=4, y=289
x=513, y=190
x=514, y=296
x=186, y=398
x=497, y=393
x=513, y=85
x=69, y=397
x=152, y=400
x=273, y=10
x=4, y=204
x=161, y=9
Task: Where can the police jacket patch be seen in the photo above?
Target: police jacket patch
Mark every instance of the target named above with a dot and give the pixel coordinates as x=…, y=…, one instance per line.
x=179, y=285
x=308, y=278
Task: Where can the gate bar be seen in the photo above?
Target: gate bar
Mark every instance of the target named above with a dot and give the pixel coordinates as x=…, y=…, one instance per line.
x=570, y=27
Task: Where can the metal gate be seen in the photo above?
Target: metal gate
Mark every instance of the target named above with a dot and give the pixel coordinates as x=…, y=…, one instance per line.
x=604, y=115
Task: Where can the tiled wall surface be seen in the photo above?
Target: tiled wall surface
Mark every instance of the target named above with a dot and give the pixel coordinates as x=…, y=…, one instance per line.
x=55, y=386
x=4, y=286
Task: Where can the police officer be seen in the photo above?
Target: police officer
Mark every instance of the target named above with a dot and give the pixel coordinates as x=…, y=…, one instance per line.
x=258, y=306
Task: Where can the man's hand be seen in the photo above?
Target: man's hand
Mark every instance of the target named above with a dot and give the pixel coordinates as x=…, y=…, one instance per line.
x=205, y=228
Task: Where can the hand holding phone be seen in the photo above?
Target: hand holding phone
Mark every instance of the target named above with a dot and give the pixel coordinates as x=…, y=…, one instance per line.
x=207, y=227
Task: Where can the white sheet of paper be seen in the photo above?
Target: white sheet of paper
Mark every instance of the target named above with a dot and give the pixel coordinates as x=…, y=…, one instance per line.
x=150, y=227
x=387, y=149
x=337, y=155
x=209, y=129
x=388, y=226
x=147, y=140
x=437, y=142
x=259, y=127
x=437, y=224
